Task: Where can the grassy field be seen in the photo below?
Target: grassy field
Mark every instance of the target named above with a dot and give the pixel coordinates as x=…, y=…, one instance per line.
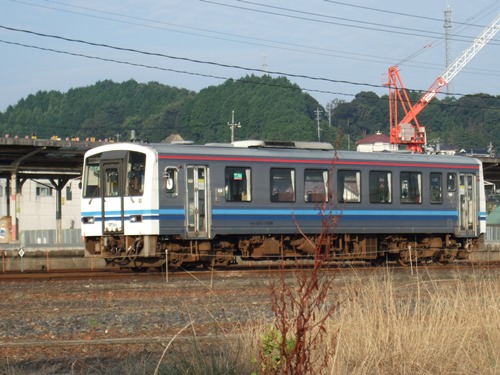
x=415, y=324
x=360, y=321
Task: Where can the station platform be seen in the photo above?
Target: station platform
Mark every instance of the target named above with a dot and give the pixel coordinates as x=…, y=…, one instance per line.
x=15, y=258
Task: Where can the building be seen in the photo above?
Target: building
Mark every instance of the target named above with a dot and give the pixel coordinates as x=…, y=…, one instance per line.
x=376, y=143
x=37, y=213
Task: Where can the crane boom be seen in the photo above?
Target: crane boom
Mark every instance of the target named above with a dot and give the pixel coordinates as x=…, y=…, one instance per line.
x=408, y=131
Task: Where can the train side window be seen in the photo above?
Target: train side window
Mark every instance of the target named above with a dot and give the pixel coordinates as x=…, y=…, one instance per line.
x=92, y=182
x=170, y=179
x=348, y=186
x=238, y=184
x=451, y=182
x=282, y=185
x=436, y=187
x=411, y=187
x=315, y=185
x=380, y=187
x=135, y=174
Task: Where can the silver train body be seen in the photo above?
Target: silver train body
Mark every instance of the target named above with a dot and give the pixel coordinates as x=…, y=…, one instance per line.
x=144, y=205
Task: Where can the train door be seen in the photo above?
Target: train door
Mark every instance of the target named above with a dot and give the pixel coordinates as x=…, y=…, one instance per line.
x=197, y=204
x=112, y=199
x=467, y=221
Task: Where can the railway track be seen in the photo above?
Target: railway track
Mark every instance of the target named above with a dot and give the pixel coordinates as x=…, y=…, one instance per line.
x=236, y=271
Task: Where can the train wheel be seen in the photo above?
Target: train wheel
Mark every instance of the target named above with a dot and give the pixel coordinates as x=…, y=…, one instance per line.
x=404, y=258
x=403, y=262
x=220, y=260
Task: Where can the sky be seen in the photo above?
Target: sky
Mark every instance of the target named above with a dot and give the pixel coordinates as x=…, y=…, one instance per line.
x=331, y=49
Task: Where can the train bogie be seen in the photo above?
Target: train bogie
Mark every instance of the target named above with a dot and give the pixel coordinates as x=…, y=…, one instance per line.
x=145, y=205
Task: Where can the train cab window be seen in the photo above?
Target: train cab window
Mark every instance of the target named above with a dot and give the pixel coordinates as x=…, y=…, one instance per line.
x=282, y=185
x=135, y=174
x=92, y=183
x=112, y=185
x=380, y=187
x=436, y=187
x=315, y=185
x=238, y=184
x=348, y=186
x=170, y=178
x=451, y=182
x=411, y=187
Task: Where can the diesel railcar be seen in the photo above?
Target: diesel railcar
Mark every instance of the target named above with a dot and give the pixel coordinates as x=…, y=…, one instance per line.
x=144, y=205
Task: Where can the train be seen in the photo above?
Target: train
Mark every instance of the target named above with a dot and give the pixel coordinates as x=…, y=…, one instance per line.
x=185, y=205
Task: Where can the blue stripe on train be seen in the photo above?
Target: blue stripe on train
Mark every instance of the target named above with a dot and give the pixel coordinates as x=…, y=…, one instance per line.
x=286, y=214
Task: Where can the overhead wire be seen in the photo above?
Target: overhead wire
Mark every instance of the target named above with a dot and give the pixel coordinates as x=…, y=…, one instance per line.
x=439, y=39
x=186, y=59
x=197, y=61
x=58, y=37
x=306, y=17
x=318, y=50
x=466, y=23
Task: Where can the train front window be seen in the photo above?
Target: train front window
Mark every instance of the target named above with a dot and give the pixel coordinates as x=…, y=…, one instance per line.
x=380, y=187
x=92, y=179
x=112, y=185
x=135, y=174
x=238, y=184
x=411, y=187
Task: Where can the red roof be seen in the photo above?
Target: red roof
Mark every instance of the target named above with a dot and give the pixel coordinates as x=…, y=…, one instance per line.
x=375, y=138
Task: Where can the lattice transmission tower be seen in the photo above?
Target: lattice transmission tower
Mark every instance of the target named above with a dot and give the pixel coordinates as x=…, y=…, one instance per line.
x=447, y=47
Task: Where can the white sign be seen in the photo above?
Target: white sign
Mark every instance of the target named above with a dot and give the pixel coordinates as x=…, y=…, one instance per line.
x=21, y=252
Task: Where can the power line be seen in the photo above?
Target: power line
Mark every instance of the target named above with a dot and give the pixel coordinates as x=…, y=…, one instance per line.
x=400, y=13
x=197, y=61
x=110, y=60
x=306, y=18
x=322, y=51
x=309, y=49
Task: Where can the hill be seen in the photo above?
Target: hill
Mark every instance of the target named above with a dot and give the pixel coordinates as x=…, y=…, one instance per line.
x=266, y=108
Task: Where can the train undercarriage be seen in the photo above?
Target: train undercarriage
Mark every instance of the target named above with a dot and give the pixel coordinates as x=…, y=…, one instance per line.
x=143, y=252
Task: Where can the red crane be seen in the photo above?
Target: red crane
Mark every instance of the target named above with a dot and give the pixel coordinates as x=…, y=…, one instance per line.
x=408, y=131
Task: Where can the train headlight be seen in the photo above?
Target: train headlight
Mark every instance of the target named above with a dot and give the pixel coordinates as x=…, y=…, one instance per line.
x=135, y=218
x=88, y=220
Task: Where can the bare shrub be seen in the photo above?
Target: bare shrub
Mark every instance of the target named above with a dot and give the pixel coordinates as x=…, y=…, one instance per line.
x=296, y=343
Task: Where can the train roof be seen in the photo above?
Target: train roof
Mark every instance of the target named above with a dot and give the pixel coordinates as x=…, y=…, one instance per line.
x=295, y=150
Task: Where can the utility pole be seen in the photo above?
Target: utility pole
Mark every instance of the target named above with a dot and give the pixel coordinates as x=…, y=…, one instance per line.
x=329, y=108
x=348, y=136
x=318, y=112
x=233, y=125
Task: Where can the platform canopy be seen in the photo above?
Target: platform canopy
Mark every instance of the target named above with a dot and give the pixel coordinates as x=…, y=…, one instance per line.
x=42, y=158
x=23, y=159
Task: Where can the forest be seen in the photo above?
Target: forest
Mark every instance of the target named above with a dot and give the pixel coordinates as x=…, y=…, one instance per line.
x=267, y=108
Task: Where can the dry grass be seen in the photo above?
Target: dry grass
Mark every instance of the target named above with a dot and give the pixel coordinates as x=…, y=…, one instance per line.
x=424, y=326
x=421, y=325
x=384, y=324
